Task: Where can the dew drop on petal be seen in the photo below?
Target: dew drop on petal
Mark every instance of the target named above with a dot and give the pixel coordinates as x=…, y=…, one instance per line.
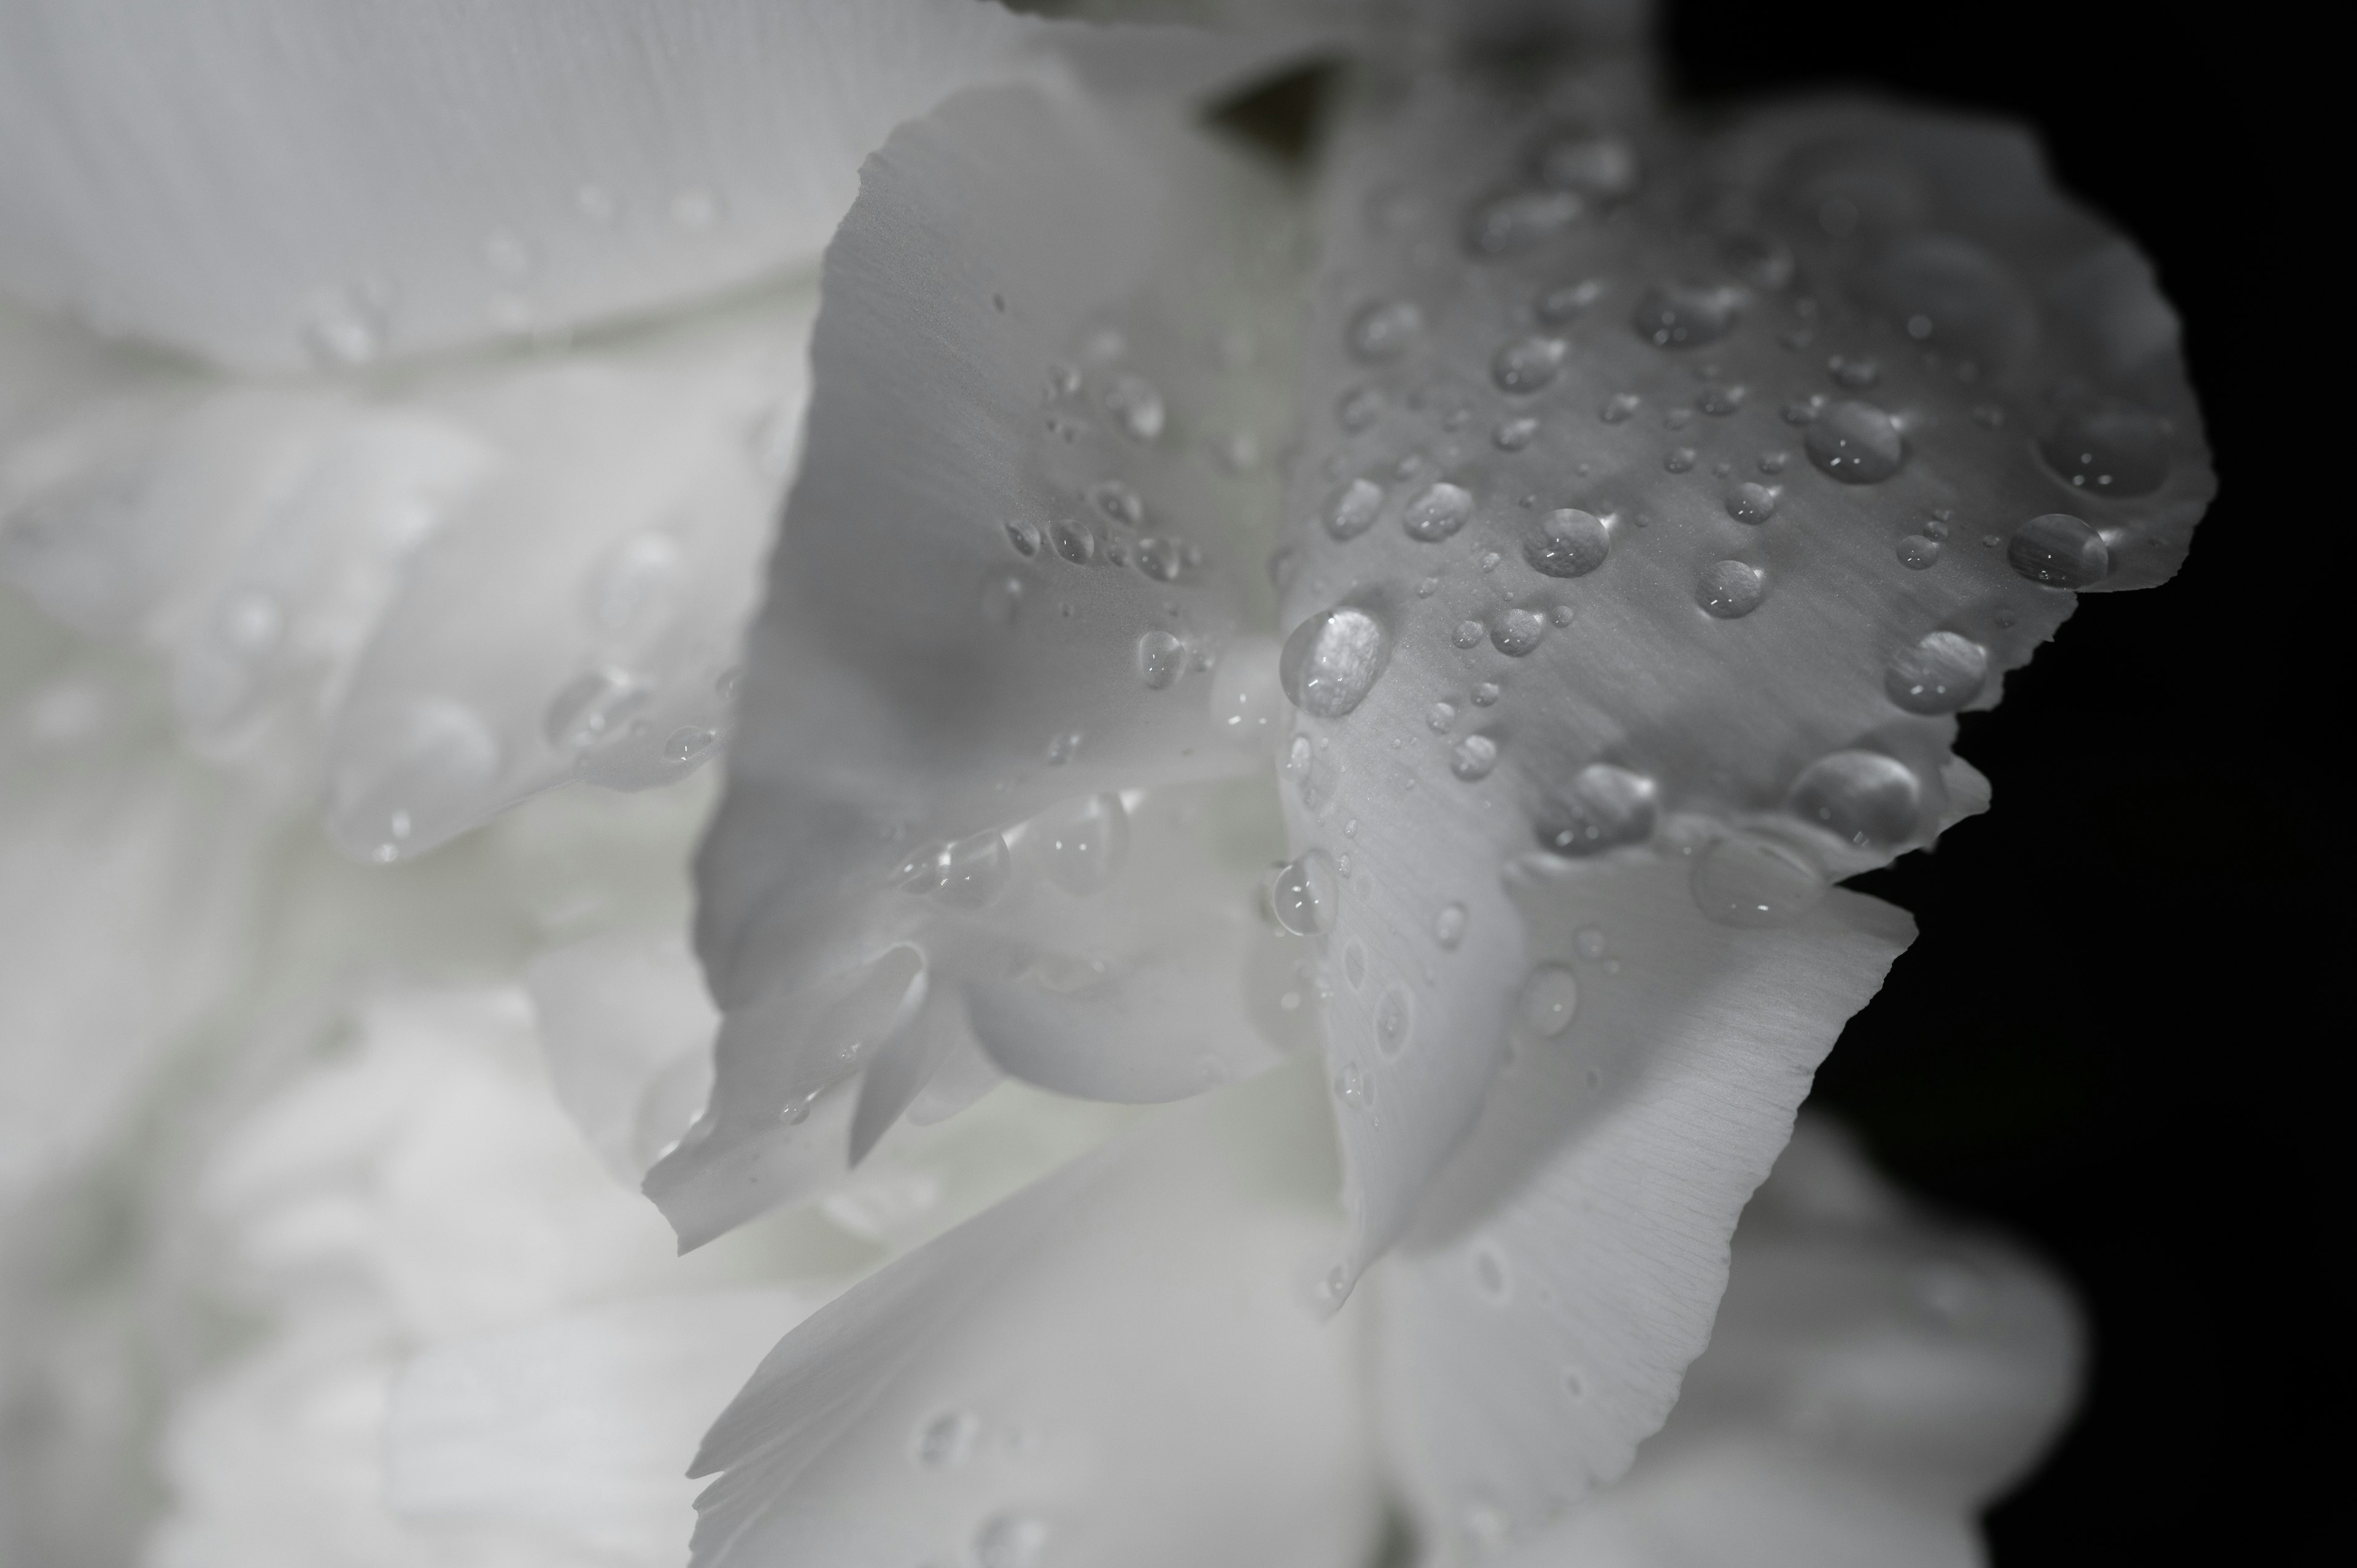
x=1438, y=513
x=1567, y=543
x=1118, y=502
x=1024, y=537
x=1063, y=747
x=1619, y=409
x=972, y=871
x=948, y=1440
x=1075, y=542
x=1136, y=406
x=1331, y=660
x=1353, y=509
x=1919, y=553
x=689, y=743
x=1439, y=716
x=1394, y=1021
x=1448, y=925
x=1721, y=398
x=1469, y=634
x=1604, y=807
x=1676, y=315
x=1679, y=459
x=1855, y=442
x=1550, y=996
x=1307, y=895
x=1354, y=1087
x=2106, y=449
x=1385, y=330
x=1010, y=1540
x=1516, y=433
x=1486, y=692
x=2059, y=551
x=1161, y=659
x=1752, y=503
x=1565, y=301
x=1520, y=220
x=1861, y=796
x=1517, y=632
x=1359, y=408
x=1472, y=757
x=1084, y=842
x=1751, y=881
x=590, y=709
x=1729, y=590
x=1939, y=675
x=1527, y=364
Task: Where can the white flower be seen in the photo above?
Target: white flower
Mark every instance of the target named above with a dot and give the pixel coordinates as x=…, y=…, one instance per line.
x=1391, y=649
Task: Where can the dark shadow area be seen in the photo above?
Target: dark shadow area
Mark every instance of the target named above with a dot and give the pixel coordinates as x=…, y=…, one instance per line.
x=2115, y=1036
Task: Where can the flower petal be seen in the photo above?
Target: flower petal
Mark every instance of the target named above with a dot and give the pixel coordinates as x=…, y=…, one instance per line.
x=271, y=188
x=977, y=732
x=1081, y=1366
x=1539, y=1316
x=1670, y=488
x=628, y=1030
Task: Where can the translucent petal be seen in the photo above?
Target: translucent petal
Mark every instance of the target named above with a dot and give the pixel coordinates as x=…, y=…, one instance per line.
x=1073, y=1374
x=272, y=189
x=1028, y=536
x=1778, y=511
x=628, y=1030
x=1565, y=1270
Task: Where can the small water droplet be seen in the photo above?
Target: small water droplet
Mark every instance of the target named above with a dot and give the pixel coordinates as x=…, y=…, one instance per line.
x=1861, y=796
x=1136, y=406
x=1602, y=807
x=1721, y=398
x=2107, y=449
x=1517, y=632
x=1118, y=502
x=1469, y=634
x=1353, y=509
x=1485, y=694
x=1061, y=748
x=1161, y=659
x=1565, y=302
x=1730, y=590
x=1679, y=459
x=689, y=743
x=1359, y=408
x=1439, y=716
x=1619, y=409
x=1527, y=364
x=1353, y=1087
x=1589, y=943
x=948, y=1440
x=1164, y=560
x=1385, y=330
x=1516, y=433
x=1856, y=443
x=966, y=874
x=2059, y=551
x=1332, y=659
x=1685, y=316
x=1520, y=220
x=1918, y=553
x=1084, y=843
x=1751, y=881
x=1752, y=503
x=1075, y=542
x=1010, y=1540
x=1307, y=895
x=1472, y=757
x=591, y=708
x=1438, y=513
x=1394, y=1022
x=1855, y=374
x=1024, y=537
x=1939, y=675
x=1773, y=462
x=1448, y=926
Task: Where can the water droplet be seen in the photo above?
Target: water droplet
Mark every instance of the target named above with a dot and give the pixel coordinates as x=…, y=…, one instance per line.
x=2107, y=449
x=1520, y=220
x=1385, y=330
x=1549, y=1000
x=972, y=872
x=1161, y=659
x=1307, y=895
x=1516, y=433
x=1164, y=560
x=1564, y=302
x=1602, y=807
x=1861, y=796
x=1855, y=374
x=948, y=1440
x=1075, y=542
x=1589, y=943
x=1469, y=634
x=1002, y=598
x=1527, y=364
x=1517, y=632
x=1439, y=716
x=1063, y=747
x=1359, y=407
x=1679, y=459
x=1752, y=503
x=1010, y=1540
x=406, y=789
x=1438, y=513
x=1485, y=693
x=1601, y=167
x=1394, y=1022
x=590, y=709
x=1918, y=553
x=1024, y=537
x=689, y=743
x=1752, y=881
x=1118, y=502
x=1472, y=757
x=1084, y=843
x=1720, y=398
x=1489, y=1272
x=1856, y=443
x=1619, y=409
x=1331, y=660
x=2059, y=551
x=1136, y=406
x=1354, y=1088
x=1685, y=316
x=1730, y=590
x=1353, y=510
x=1448, y=926
x=1567, y=543
x=1938, y=675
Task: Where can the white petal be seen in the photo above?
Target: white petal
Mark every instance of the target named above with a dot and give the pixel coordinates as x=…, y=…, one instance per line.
x=1564, y=1272
x=628, y=1034
x=271, y=188
x=1078, y=1372
x=578, y=1426
x=1018, y=545
x=1540, y=380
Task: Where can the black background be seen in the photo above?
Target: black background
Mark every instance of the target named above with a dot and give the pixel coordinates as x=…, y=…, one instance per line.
x=2111, y=1037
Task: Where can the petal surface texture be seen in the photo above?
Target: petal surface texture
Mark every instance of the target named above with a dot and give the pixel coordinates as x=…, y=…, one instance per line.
x=1665, y=491
x=271, y=188
x=985, y=792
x=1069, y=1377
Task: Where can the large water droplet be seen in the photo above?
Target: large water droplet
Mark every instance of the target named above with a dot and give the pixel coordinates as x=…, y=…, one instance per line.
x=1010, y=1540
x=1937, y=675
x=1567, y=543
x=1751, y=503
x=1438, y=513
x=1550, y=997
x=972, y=871
x=1602, y=807
x=1385, y=330
x=1331, y=660
x=2059, y=550
x=1518, y=221
x=2106, y=449
x=1353, y=509
x=1752, y=881
x=1307, y=895
x=1075, y=542
x=1472, y=757
x=1685, y=316
x=1084, y=843
x=1161, y=659
x=1862, y=797
x=1730, y=590
x=1136, y=406
x=1517, y=632
x=1856, y=443
x=1527, y=364
x=690, y=744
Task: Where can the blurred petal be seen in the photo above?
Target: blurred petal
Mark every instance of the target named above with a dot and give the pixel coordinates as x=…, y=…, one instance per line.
x=270, y=188
x=1073, y=1375
x=970, y=785
x=628, y=1034
x=1564, y=1272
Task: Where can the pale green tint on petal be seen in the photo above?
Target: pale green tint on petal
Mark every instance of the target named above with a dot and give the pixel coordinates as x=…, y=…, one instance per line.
x=971, y=795
x=1120, y=1365
x=1875, y=1378
x=1565, y=1270
x=274, y=189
